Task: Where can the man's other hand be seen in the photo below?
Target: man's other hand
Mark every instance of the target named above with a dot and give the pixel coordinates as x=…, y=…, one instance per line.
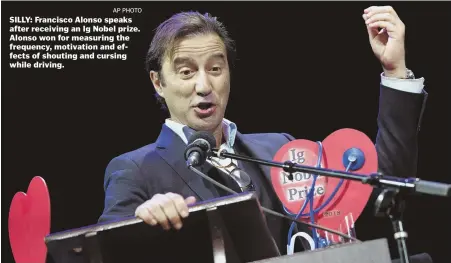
x=165, y=209
x=386, y=33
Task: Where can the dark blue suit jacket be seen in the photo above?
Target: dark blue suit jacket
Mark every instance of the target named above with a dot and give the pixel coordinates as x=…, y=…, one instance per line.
x=134, y=177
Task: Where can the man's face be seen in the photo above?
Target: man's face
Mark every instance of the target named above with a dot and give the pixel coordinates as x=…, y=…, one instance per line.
x=196, y=82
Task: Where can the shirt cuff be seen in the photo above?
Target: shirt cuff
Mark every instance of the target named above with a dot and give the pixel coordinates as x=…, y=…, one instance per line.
x=407, y=85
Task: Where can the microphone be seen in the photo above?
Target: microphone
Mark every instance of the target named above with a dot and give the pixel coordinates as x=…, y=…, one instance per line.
x=199, y=148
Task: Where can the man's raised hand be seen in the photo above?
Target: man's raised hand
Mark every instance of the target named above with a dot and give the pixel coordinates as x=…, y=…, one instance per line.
x=386, y=33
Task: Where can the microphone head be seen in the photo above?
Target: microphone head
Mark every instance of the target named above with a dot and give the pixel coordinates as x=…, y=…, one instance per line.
x=199, y=148
x=203, y=135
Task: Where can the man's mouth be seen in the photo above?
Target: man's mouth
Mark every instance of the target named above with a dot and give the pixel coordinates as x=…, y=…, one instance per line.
x=204, y=105
x=205, y=109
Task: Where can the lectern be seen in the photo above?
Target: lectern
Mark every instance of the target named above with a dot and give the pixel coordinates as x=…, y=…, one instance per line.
x=230, y=229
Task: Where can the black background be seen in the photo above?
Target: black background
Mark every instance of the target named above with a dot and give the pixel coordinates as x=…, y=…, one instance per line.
x=304, y=68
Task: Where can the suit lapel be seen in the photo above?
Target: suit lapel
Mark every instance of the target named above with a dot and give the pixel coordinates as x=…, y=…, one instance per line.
x=171, y=148
x=256, y=151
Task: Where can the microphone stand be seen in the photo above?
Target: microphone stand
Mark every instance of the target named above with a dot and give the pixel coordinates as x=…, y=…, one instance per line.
x=390, y=202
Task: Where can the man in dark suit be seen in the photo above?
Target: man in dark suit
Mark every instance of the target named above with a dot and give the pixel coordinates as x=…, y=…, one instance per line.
x=188, y=62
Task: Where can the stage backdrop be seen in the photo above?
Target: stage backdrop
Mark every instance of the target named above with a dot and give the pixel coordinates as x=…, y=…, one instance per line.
x=303, y=68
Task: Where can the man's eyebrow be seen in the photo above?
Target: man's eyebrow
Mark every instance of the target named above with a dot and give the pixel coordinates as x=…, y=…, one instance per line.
x=181, y=60
x=220, y=56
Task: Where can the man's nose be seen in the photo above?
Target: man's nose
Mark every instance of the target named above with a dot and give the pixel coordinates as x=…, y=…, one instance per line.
x=203, y=85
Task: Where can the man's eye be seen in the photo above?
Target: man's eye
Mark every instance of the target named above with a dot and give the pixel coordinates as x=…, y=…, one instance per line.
x=186, y=72
x=215, y=68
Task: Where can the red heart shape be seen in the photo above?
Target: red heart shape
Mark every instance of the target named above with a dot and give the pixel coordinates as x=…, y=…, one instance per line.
x=293, y=193
x=351, y=197
x=29, y=223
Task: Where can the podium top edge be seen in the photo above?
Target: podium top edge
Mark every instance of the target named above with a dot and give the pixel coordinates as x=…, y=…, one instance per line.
x=131, y=220
x=221, y=201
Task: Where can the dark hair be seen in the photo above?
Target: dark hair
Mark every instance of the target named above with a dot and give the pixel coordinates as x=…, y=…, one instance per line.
x=182, y=25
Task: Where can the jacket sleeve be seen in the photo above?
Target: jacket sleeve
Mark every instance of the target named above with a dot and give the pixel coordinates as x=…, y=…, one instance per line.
x=124, y=189
x=399, y=119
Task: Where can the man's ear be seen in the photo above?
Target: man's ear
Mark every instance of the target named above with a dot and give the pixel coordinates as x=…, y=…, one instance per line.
x=156, y=81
